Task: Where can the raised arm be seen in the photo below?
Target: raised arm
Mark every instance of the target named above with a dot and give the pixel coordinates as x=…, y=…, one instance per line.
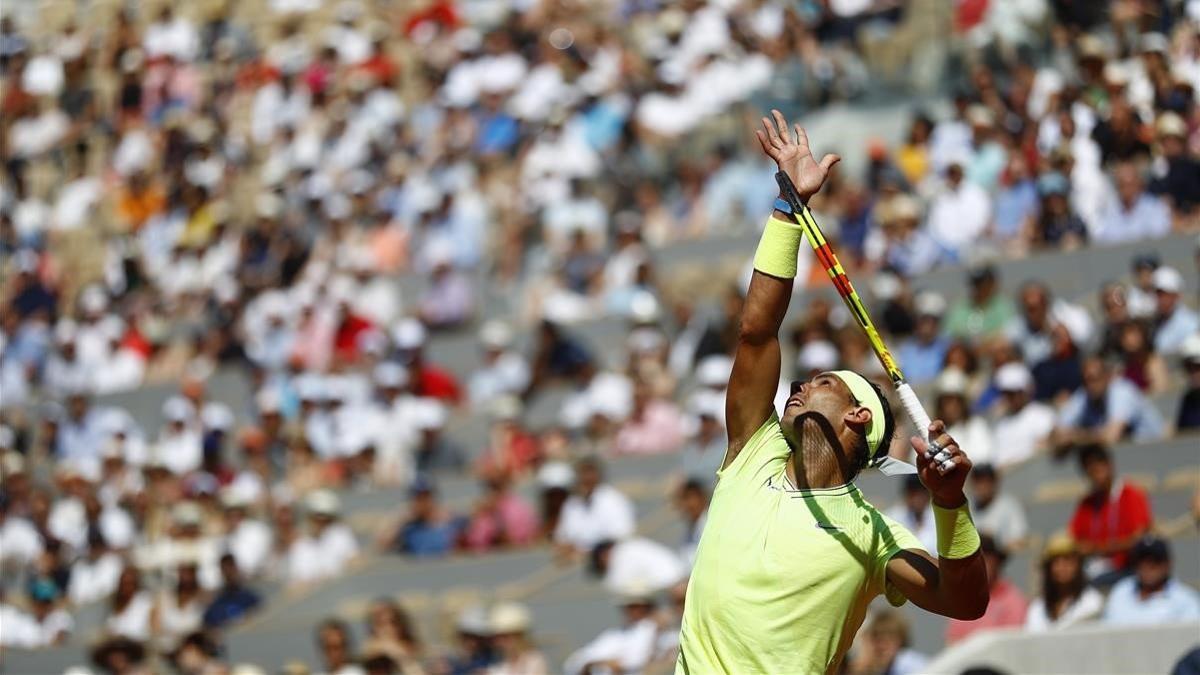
x=756, y=362
x=956, y=583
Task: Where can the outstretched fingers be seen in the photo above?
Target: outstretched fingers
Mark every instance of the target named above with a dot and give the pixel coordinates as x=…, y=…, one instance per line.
x=828, y=161
x=772, y=134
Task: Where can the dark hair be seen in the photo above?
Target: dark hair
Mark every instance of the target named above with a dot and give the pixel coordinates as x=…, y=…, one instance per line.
x=595, y=565
x=862, y=454
x=1093, y=452
x=1052, y=594
x=693, y=486
x=404, y=622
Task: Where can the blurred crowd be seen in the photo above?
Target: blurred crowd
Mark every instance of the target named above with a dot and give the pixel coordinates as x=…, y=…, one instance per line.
x=190, y=191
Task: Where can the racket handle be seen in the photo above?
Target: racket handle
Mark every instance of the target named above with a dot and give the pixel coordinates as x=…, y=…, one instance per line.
x=916, y=411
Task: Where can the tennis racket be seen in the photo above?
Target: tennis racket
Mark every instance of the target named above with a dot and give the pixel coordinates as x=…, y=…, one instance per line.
x=841, y=282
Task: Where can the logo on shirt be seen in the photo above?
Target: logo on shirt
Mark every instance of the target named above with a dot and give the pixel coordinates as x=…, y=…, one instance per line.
x=827, y=527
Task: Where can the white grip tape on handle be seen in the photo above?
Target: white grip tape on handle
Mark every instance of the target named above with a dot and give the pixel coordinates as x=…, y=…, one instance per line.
x=916, y=411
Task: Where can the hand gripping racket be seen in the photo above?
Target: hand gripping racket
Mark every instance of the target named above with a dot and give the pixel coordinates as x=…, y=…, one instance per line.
x=828, y=259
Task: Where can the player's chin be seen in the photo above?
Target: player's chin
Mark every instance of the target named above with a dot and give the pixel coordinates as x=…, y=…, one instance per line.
x=791, y=413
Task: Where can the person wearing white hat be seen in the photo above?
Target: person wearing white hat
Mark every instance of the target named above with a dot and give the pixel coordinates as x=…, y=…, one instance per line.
x=428, y=379
x=504, y=370
x=1024, y=425
x=924, y=353
x=1176, y=173
x=509, y=623
x=626, y=648
x=953, y=407
x=179, y=443
x=1174, y=321
x=435, y=450
x=247, y=538
x=327, y=548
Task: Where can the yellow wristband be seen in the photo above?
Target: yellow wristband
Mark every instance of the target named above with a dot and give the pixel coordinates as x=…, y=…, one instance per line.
x=957, y=537
x=777, y=249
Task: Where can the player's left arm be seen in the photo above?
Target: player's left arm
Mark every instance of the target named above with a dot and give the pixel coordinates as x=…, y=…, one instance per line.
x=955, y=584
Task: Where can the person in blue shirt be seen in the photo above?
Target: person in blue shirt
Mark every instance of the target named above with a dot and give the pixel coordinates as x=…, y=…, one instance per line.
x=234, y=601
x=1151, y=595
x=1106, y=409
x=923, y=355
x=1174, y=322
x=430, y=529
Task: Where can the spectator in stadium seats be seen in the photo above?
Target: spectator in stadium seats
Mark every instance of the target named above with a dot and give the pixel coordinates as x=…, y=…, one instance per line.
x=1177, y=174
x=435, y=450
x=196, y=652
x=510, y=623
x=1066, y=598
x=901, y=244
x=595, y=511
x=887, y=648
x=924, y=353
x=558, y=355
x=119, y=655
x=473, y=651
x=328, y=547
x=234, y=601
x=985, y=312
x=247, y=539
x=1151, y=595
x=624, y=649
x=635, y=560
x=1141, y=364
x=970, y=430
x=1031, y=330
x=1188, y=417
x=704, y=450
x=1007, y=605
x=52, y=623
x=1114, y=307
x=960, y=212
x=1106, y=409
x=129, y=612
x=391, y=632
x=503, y=371
x=1173, y=321
x=1133, y=214
x=1057, y=226
x=336, y=645
x=1110, y=518
x=179, y=608
x=429, y=529
x=655, y=425
x=428, y=379
x=1141, y=294
x=1058, y=375
x=501, y=519
x=913, y=512
x=511, y=450
x=996, y=512
x=1024, y=425
x=1017, y=205
x=555, y=480
x=692, y=502
x=450, y=300
x=94, y=575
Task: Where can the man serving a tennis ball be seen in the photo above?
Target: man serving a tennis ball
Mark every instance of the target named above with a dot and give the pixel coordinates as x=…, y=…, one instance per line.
x=792, y=554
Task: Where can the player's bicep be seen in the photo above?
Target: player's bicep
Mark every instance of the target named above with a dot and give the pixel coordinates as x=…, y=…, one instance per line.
x=750, y=399
x=913, y=574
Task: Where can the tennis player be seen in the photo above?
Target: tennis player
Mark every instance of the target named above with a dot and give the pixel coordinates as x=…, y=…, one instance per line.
x=792, y=553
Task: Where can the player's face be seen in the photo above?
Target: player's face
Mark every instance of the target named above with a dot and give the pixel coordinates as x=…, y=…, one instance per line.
x=824, y=396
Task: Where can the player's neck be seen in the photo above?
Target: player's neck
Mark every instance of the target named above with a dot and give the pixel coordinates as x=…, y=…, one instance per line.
x=815, y=463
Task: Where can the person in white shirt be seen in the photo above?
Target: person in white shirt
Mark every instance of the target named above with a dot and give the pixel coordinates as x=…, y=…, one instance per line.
x=995, y=512
x=1025, y=424
x=52, y=623
x=328, y=547
x=20, y=543
x=952, y=407
x=624, y=650
x=959, y=215
x=594, y=513
x=509, y=623
x=636, y=559
x=94, y=576
x=247, y=539
x=913, y=512
x=179, y=445
x=1066, y=598
x=131, y=607
x=503, y=371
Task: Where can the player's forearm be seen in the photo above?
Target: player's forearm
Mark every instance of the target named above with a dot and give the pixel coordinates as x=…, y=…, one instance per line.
x=771, y=284
x=962, y=587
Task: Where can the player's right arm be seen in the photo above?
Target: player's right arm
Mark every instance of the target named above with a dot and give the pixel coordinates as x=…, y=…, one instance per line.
x=756, y=363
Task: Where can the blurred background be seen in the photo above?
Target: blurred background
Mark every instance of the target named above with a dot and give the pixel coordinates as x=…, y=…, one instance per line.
x=392, y=337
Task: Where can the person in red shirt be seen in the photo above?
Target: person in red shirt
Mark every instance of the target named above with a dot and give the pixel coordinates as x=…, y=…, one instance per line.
x=428, y=380
x=1110, y=518
x=512, y=452
x=1007, y=605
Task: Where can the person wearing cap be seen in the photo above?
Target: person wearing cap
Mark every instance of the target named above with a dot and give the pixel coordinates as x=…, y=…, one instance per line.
x=952, y=407
x=1175, y=173
x=792, y=554
x=901, y=244
x=984, y=312
x=627, y=648
x=1057, y=226
x=504, y=370
x=328, y=547
x=435, y=450
x=248, y=539
x=1106, y=409
x=1141, y=296
x=1188, y=417
x=52, y=623
x=1007, y=605
x=594, y=512
x=1174, y=322
x=473, y=651
x=1113, y=515
x=924, y=353
x=1066, y=597
x=1152, y=595
x=429, y=380
x=1023, y=425
x=997, y=512
x=179, y=445
x=510, y=623
x=1133, y=214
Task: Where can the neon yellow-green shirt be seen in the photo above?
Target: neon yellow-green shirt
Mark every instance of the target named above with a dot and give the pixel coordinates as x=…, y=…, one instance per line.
x=783, y=577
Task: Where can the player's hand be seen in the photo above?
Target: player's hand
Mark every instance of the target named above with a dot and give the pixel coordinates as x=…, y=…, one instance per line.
x=792, y=155
x=944, y=471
